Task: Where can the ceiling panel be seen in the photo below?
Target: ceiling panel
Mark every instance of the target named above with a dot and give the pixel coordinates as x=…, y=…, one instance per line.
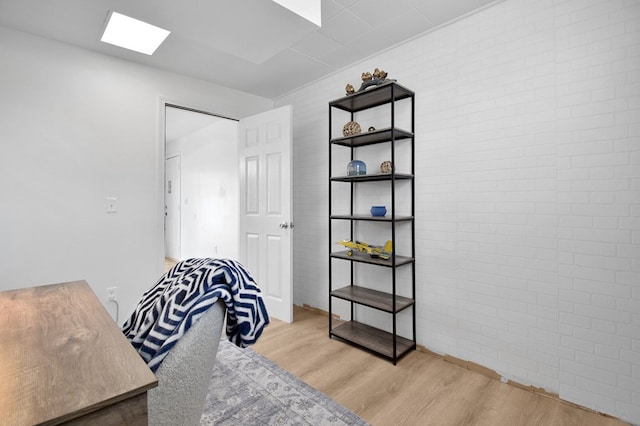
x=290, y=69
x=443, y=11
x=317, y=45
x=251, y=45
x=375, y=15
x=344, y=27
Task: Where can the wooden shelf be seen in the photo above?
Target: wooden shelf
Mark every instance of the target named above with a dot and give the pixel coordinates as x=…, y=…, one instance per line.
x=372, y=177
x=372, y=298
x=365, y=258
x=372, y=97
x=373, y=339
x=372, y=218
x=372, y=137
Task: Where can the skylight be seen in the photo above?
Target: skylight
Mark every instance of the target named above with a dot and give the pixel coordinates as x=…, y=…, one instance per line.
x=132, y=34
x=309, y=9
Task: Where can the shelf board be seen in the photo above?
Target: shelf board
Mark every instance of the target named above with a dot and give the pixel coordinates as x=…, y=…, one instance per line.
x=365, y=258
x=371, y=218
x=373, y=339
x=372, y=137
x=372, y=178
x=372, y=97
x=372, y=298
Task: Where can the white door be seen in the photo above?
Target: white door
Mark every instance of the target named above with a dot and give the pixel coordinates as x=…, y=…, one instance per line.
x=264, y=142
x=172, y=208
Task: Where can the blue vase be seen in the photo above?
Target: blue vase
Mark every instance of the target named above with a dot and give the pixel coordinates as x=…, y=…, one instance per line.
x=378, y=211
x=356, y=168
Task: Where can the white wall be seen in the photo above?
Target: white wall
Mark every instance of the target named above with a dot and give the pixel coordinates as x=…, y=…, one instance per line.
x=76, y=127
x=528, y=193
x=209, y=191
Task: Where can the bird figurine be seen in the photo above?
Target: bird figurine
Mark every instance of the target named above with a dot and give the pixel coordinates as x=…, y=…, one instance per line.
x=378, y=78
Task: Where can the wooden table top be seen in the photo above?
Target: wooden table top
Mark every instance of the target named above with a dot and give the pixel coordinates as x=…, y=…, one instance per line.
x=63, y=356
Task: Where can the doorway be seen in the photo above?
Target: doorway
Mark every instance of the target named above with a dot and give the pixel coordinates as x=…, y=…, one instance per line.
x=210, y=196
x=201, y=185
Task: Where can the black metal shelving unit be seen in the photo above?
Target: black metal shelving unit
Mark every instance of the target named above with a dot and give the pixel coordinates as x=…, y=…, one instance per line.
x=388, y=344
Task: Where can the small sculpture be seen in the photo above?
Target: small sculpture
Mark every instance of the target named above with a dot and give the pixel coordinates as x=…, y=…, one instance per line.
x=376, y=79
x=381, y=252
x=386, y=167
x=371, y=129
x=379, y=77
x=352, y=128
x=377, y=73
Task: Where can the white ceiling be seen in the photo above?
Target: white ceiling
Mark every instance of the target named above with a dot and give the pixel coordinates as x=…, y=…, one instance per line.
x=251, y=45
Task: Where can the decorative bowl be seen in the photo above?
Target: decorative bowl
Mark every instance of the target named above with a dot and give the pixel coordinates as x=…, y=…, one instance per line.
x=356, y=168
x=378, y=211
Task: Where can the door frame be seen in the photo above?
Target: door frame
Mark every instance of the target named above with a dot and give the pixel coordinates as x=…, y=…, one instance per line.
x=177, y=223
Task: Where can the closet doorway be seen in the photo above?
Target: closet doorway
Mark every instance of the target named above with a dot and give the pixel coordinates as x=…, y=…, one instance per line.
x=201, y=190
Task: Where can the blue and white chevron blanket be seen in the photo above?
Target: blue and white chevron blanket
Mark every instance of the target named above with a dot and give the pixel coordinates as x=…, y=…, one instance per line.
x=183, y=294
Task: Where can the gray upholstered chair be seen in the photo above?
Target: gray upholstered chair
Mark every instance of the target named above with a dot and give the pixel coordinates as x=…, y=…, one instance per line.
x=185, y=373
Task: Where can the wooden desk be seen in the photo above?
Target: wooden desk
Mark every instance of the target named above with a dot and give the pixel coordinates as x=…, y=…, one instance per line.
x=64, y=360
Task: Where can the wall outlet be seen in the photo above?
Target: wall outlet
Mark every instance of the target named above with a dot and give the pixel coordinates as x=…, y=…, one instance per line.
x=111, y=293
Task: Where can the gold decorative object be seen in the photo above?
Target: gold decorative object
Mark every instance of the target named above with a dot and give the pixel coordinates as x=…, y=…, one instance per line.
x=386, y=167
x=376, y=79
x=352, y=128
x=368, y=80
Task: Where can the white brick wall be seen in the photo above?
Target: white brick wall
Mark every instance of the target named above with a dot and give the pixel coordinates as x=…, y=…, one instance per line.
x=599, y=268
x=528, y=193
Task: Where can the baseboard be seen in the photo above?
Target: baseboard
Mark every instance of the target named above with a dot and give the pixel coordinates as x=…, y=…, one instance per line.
x=318, y=311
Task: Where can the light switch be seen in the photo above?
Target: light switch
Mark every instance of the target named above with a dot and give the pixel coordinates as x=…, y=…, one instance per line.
x=111, y=205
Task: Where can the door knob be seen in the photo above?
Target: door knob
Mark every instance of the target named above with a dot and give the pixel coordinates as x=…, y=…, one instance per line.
x=284, y=225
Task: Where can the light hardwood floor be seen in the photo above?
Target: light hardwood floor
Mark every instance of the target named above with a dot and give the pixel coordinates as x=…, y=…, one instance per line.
x=169, y=263
x=422, y=389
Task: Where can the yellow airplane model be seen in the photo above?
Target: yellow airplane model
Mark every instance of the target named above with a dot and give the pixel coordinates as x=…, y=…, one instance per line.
x=382, y=252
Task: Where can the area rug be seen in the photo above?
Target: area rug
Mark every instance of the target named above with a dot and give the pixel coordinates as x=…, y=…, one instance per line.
x=248, y=389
